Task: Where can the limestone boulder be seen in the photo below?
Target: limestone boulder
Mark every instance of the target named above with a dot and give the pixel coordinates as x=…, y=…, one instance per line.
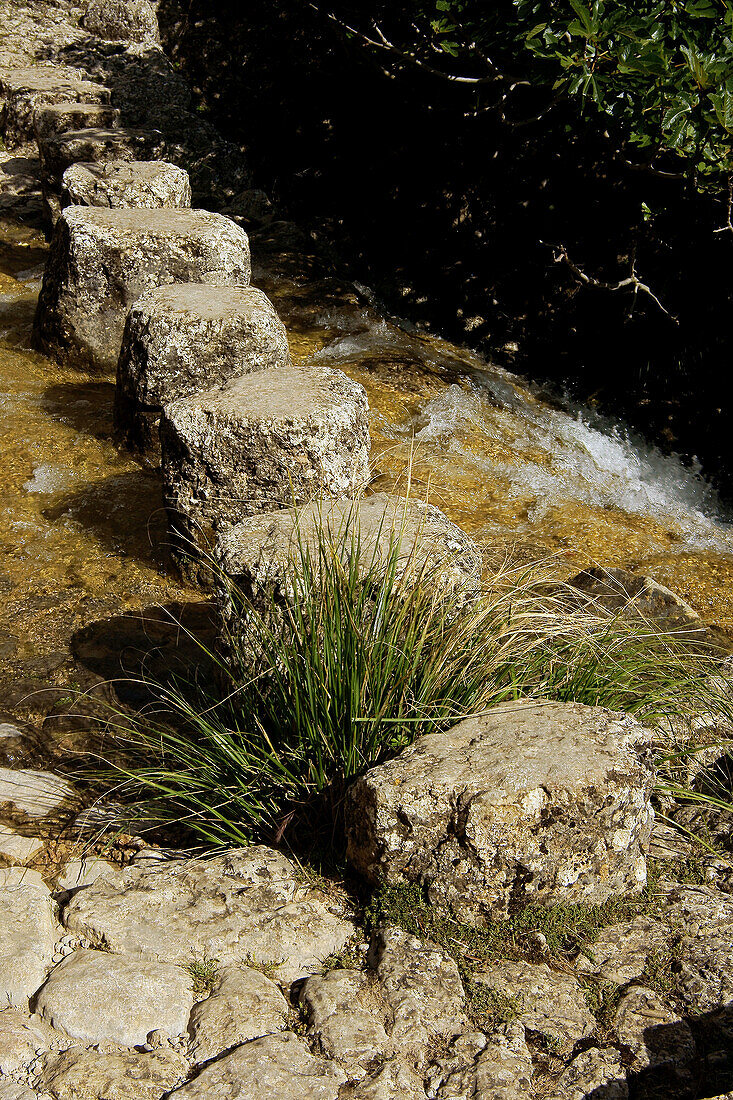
x=127, y=1075
x=90, y=145
x=500, y=1070
x=33, y=794
x=28, y=930
x=22, y=1039
x=97, y=996
x=59, y=118
x=101, y=261
x=529, y=803
x=262, y=441
x=392, y=1081
x=134, y=184
x=16, y=848
x=122, y=21
x=183, y=339
x=24, y=91
x=244, y=1005
x=251, y=904
x=258, y=553
x=279, y=1066
x=597, y=1073
x=653, y=1032
x=346, y=1016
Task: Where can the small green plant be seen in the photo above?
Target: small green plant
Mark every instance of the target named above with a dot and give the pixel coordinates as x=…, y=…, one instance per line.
x=489, y=1008
x=348, y=958
x=205, y=974
x=268, y=967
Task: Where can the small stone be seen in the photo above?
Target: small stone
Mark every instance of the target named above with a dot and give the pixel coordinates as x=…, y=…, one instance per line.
x=101, y=261
x=595, y=1073
x=122, y=20
x=59, y=118
x=262, y=441
x=546, y=1002
x=28, y=933
x=251, y=903
x=543, y=803
x=82, y=872
x=24, y=91
x=275, y=1066
x=91, y=145
x=33, y=793
x=131, y=184
x=621, y=951
x=96, y=996
x=650, y=1029
x=181, y=340
x=346, y=1018
x=16, y=848
x=423, y=990
x=638, y=596
x=92, y=1074
x=245, y=1005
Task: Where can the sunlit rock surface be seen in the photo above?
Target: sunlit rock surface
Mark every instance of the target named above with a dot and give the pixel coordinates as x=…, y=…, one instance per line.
x=126, y=183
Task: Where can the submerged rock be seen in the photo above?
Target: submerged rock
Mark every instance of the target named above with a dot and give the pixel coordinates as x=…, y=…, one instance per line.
x=541, y=803
x=619, y=590
x=184, y=339
x=101, y=261
x=260, y=442
x=24, y=91
x=132, y=184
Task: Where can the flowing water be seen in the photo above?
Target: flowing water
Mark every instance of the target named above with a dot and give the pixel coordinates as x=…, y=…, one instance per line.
x=82, y=532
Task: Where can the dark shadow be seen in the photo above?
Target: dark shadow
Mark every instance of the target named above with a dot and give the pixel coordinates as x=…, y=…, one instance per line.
x=141, y=650
x=86, y=406
x=124, y=511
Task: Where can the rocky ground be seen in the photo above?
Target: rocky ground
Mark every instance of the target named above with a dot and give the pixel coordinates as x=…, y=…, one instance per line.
x=569, y=946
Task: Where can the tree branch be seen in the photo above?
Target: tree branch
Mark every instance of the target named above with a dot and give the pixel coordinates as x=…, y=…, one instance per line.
x=632, y=281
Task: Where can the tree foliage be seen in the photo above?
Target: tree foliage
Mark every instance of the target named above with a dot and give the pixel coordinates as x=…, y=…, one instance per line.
x=659, y=70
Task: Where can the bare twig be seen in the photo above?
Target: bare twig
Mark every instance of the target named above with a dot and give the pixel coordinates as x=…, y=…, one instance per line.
x=728, y=227
x=632, y=281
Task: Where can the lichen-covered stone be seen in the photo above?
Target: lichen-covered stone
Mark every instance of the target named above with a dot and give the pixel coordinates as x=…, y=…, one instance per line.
x=131, y=184
x=392, y=1081
x=652, y=1031
x=621, y=951
x=262, y=441
x=24, y=91
x=122, y=20
x=541, y=803
x=249, y=904
x=258, y=553
x=184, y=339
x=101, y=261
x=545, y=1001
x=346, y=1016
x=244, y=1005
x=27, y=936
x=502, y=1070
x=275, y=1066
x=596, y=1074
x=91, y=145
x=128, y=1075
x=59, y=118
x=97, y=996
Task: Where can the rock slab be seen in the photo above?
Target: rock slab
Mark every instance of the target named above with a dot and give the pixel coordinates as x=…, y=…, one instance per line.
x=541, y=803
x=130, y=184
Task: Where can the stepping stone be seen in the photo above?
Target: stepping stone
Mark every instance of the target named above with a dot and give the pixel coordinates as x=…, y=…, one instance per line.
x=101, y=261
x=257, y=554
x=35, y=794
x=262, y=441
x=59, y=151
x=544, y=803
x=185, y=338
x=23, y=91
x=28, y=933
x=59, y=118
x=126, y=183
x=100, y=997
x=122, y=21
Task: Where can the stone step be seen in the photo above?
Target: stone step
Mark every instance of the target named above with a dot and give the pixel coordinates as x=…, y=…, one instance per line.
x=60, y=118
x=24, y=91
x=102, y=260
x=131, y=21
x=132, y=184
x=258, y=554
x=183, y=339
x=59, y=151
x=263, y=441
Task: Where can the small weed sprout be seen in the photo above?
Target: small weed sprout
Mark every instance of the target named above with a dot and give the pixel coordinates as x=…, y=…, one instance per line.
x=268, y=967
x=205, y=974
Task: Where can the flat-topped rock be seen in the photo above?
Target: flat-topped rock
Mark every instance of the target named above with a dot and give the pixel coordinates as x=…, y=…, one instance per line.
x=101, y=261
x=545, y=803
x=33, y=793
x=16, y=848
x=122, y=21
x=252, y=903
x=89, y=146
x=100, y=997
x=262, y=441
x=28, y=932
x=149, y=184
x=79, y=1074
x=183, y=339
x=24, y=91
x=59, y=118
